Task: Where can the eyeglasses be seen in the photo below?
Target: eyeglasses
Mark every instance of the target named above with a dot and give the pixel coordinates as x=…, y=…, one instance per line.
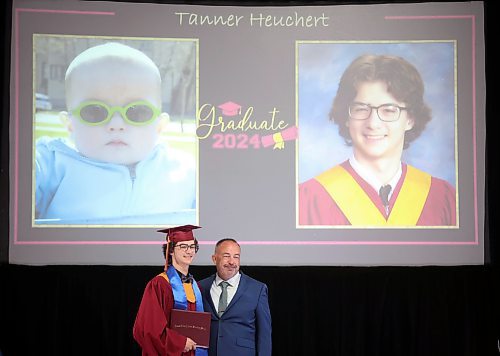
x=185, y=247
x=96, y=113
x=385, y=112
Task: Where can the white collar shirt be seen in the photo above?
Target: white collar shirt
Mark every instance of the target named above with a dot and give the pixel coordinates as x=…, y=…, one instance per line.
x=370, y=177
x=216, y=290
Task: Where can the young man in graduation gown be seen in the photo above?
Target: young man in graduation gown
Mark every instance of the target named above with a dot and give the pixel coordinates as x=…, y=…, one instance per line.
x=174, y=288
x=379, y=109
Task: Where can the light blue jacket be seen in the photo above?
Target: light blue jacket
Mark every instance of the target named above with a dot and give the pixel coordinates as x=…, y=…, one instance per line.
x=71, y=188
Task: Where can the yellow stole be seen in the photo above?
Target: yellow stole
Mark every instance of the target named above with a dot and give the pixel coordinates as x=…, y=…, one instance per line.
x=188, y=288
x=360, y=210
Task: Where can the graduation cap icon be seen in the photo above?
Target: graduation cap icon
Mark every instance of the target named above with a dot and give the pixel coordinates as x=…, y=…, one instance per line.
x=230, y=109
x=180, y=233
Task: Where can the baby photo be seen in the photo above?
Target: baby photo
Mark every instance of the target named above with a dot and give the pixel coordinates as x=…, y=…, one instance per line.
x=114, y=131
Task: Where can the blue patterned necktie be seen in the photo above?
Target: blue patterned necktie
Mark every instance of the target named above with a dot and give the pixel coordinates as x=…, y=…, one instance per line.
x=384, y=194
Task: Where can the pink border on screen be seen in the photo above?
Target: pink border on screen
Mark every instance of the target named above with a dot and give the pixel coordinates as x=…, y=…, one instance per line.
x=291, y=243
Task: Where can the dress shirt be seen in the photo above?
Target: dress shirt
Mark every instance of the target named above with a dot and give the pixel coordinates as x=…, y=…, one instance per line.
x=216, y=290
x=371, y=179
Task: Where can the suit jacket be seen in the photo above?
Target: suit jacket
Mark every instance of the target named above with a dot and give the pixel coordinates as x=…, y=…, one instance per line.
x=245, y=327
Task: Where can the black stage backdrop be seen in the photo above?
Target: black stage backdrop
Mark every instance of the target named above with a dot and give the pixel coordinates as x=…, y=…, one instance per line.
x=90, y=310
x=349, y=311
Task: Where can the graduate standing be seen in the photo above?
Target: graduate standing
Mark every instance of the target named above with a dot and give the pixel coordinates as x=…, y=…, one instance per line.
x=175, y=288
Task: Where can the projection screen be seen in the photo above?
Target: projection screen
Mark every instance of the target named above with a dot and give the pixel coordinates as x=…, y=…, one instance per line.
x=272, y=125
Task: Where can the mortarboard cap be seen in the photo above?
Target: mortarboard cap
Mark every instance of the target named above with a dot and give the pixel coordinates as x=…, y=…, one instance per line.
x=230, y=109
x=180, y=233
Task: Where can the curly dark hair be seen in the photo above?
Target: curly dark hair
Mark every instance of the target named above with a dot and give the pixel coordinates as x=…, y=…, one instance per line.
x=403, y=82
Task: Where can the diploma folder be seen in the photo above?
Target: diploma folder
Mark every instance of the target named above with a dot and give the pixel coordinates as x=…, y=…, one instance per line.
x=193, y=324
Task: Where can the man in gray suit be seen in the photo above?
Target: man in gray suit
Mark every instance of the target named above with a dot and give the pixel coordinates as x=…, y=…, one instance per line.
x=241, y=319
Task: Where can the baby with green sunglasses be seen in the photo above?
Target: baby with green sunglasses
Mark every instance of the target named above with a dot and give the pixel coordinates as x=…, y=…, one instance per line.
x=114, y=117
x=113, y=75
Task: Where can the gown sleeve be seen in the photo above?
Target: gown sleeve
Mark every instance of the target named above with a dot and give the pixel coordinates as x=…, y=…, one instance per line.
x=151, y=327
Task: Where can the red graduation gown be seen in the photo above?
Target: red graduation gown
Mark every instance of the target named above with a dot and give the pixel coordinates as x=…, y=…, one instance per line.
x=151, y=327
x=316, y=206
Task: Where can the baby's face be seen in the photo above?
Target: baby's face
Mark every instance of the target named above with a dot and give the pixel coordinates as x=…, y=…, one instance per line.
x=116, y=84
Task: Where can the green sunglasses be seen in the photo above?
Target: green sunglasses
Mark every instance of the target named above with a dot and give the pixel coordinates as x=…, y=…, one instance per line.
x=96, y=112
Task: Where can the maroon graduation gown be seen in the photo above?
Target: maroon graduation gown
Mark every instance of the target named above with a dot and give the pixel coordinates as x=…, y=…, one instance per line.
x=316, y=206
x=151, y=327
